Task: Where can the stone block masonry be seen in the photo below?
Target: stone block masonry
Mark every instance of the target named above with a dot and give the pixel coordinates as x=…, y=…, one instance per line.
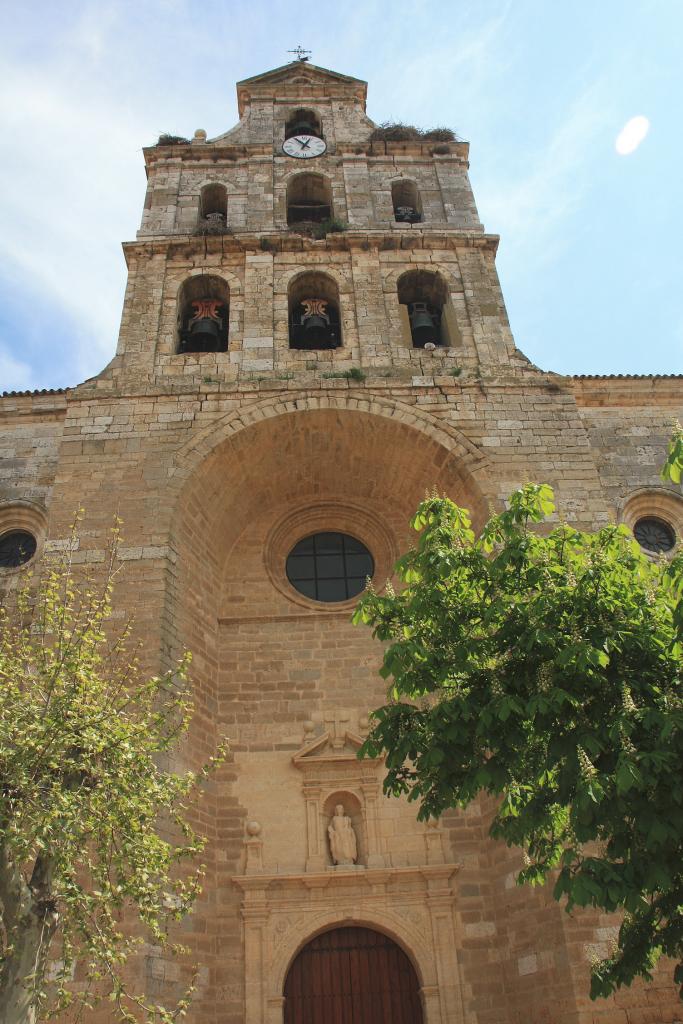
x=220, y=462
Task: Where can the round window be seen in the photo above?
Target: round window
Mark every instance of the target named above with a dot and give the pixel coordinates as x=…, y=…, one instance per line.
x=329, y=566
x=16, y=548
x=654, y=534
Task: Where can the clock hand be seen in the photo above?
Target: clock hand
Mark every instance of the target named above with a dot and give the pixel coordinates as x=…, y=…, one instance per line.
x=304, y=144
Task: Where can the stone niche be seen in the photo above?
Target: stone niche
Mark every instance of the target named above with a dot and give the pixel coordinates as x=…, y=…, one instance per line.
x=332, y=775
x=415, y=905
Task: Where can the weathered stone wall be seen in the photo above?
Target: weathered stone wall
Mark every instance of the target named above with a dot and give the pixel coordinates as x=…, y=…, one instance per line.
x=219, y=463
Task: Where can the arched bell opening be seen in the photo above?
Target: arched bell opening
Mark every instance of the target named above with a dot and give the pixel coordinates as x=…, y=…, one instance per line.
x=406, y=201
x=309, y=199
x=213, y=206
x=303, y=122
x=203, y=310
x=424, y=295
x=314, y=317
x=352, y=973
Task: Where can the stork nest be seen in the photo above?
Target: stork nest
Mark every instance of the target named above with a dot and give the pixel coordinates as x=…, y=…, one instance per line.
x=171, y=140
x=396, y=131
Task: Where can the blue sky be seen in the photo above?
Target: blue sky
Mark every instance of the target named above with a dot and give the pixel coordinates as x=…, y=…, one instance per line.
x=590, y=255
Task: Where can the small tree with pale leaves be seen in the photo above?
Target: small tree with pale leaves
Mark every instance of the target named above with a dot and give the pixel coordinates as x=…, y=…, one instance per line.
x=88, y=871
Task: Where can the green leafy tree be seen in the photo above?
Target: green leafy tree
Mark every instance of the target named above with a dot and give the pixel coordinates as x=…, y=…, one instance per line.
x=544, y=668
x=93, y=831
x=673, y=467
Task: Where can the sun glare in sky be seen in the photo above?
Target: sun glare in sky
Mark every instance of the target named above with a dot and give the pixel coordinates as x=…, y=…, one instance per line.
x=631, y=135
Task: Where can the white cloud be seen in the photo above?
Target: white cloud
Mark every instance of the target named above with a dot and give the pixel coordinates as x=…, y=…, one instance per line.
x=631, y=135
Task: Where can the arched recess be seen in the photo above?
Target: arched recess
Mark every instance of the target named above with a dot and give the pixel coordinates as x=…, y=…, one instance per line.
x=203, y=313
x=352, y=973
x=247, y=473
x=243, y=474
x=406, y=201
x=213, y=205
x=314, y=314
x=309, y=199
x=253, y=466
x=427, y=315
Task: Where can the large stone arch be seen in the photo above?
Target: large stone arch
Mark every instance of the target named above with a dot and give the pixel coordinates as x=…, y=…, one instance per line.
x=347, y=459
x=190, y=456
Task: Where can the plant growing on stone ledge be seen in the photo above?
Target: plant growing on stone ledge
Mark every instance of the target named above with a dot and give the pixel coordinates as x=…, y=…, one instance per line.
x=330, y=226
x=89, y=870
x=355, y=373
x=545, y=671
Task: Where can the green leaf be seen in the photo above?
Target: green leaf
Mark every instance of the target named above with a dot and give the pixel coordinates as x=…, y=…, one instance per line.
x=548, y=675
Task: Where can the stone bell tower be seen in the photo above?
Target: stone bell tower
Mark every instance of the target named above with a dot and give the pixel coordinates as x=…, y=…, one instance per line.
x=385, y=234
x=313, y=335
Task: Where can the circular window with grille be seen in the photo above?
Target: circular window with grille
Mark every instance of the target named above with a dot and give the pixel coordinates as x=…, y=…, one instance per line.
x=329, y=566
x=16, y=548
x=654, y=534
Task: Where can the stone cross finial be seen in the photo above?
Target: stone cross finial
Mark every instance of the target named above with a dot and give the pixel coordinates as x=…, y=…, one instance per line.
x=337, y=724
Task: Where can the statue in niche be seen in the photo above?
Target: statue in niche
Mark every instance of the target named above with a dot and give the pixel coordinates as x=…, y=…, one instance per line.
x=343, y=845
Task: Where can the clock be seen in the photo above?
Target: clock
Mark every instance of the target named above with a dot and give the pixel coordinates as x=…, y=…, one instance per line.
x=303, y=147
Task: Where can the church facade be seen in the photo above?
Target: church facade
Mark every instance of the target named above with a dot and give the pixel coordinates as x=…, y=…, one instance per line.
x=313, y=335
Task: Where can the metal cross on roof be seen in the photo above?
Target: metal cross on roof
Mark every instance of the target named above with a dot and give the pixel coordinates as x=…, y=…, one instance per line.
x=301, y=54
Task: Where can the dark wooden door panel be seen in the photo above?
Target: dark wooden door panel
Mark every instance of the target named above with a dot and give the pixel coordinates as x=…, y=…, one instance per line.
x=352, y=976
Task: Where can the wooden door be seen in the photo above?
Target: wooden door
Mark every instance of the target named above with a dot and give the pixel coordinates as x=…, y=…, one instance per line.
x=352, y=976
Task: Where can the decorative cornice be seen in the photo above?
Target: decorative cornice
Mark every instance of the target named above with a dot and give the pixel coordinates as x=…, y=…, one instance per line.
x=276, y=242
x=335, y=876
x=209, y=153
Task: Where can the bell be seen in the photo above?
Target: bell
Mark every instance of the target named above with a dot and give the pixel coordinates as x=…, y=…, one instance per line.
x=317, y=329
x=303, y=127
x=423, y=324
x=215, y=221
x=203, y=335
x=407, y=215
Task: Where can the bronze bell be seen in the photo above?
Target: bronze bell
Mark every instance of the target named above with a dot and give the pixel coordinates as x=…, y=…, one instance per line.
x=316, y=329
x=204, y=334
x=406, y=215
x=315, y=321
x=424, y=324
x=303, y=127
x=204, y=328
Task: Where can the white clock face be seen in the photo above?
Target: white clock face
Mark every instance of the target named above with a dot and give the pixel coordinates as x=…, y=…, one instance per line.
x=303, y=147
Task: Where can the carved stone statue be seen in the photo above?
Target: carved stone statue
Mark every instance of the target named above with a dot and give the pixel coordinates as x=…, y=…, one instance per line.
x=343, y=845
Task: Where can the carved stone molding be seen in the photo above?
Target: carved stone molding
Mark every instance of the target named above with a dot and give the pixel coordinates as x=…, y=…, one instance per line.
x=330, y=768
x=414, y=905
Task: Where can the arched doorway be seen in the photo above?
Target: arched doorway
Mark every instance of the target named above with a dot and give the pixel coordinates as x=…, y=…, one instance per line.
x=352, y=976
